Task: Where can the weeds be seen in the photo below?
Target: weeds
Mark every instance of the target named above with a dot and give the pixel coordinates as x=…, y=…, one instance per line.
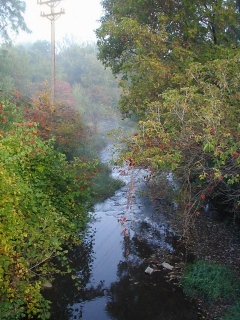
x=210, y=280
x=233, y=313
x=103, y=185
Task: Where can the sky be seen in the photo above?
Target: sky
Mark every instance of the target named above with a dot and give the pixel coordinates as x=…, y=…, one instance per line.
x=78, y=22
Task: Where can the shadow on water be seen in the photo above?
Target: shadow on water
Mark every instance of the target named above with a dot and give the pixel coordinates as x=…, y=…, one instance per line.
x=68, y=290
x=112, y=261
x=138, y=297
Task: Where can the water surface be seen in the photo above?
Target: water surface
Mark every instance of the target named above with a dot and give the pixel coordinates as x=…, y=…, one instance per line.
x=122, y=237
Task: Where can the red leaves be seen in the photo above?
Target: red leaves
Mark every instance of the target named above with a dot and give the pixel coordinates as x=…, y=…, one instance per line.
x=203, y=196
x=63, y=92
x=122, y=220
x=131, y=162
x=235, y=154
x=125, y=232
x=212, y=130
x=61, y=121
x=211, y=175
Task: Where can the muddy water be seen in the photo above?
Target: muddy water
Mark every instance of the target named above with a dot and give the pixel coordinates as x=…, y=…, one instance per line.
x=122, y=237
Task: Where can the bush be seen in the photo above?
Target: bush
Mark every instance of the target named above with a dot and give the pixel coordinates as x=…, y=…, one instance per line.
x=44, y=202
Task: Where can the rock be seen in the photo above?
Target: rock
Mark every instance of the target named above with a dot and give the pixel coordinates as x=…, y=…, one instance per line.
x=167, y=266
x=47, y=285
x=149, y=270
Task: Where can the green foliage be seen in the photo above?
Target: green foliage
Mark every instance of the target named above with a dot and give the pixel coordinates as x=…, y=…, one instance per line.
x=15, y=69
x=103, y=185
x=179, y=64
x=94, y=88
x=38, y=51
x=233, y=313
x=11, y=17
x=189, y=133
x=46, y=192
x=43, y=208
x=151, y=43
x=211, y=281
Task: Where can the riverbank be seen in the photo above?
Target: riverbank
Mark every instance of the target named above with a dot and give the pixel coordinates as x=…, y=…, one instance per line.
x=219, y=243
x=126, y=237
x=212, y=241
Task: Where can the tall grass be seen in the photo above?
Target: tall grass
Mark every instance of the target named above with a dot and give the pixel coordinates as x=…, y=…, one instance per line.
x=233, y=313
x=103, y=185
x=212, y=281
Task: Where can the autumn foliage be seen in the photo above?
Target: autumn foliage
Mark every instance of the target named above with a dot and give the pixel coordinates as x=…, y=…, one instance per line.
x=44, y=203
x=60, y=121
x=179, y=63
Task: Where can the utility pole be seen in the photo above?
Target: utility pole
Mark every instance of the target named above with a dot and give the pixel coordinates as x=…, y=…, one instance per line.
x=52, y=16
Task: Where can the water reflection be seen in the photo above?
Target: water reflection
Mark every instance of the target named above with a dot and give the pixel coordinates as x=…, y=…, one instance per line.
x=139, y=296
x=68, y=291
x=111, y=264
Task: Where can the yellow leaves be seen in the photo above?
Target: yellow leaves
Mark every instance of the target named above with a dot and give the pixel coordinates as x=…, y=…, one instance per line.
x=217, y=174
x=203, y=176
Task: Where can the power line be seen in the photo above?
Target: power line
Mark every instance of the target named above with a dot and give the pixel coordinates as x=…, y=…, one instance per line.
x=52, y=16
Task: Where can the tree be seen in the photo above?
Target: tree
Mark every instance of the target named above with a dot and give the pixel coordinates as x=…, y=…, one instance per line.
x=148, y=42
x=39, y=51
x=179, y=63
x=11, y=18
x=60, y=121
x=15, y=66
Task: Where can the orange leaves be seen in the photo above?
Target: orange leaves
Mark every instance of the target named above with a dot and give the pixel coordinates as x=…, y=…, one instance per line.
x=124, y=219
x=28, y=124
x=202, y=196
x=17, y=94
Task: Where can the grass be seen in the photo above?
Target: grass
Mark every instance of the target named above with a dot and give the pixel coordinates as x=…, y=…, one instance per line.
x=211, y=282
x=103, y=185
x=233, y=313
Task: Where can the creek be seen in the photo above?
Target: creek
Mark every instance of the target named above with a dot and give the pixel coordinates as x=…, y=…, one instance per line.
x=120, y=244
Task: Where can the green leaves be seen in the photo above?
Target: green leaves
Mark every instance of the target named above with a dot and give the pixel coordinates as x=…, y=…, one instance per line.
x=181, y=81
x=211, y=281
x=43, y=208
x=11, y=17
